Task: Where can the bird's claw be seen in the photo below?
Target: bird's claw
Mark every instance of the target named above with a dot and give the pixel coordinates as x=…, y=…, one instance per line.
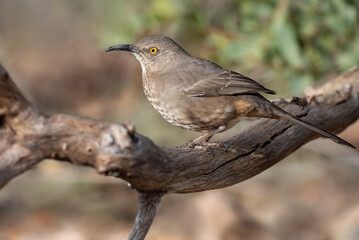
x=207, y=146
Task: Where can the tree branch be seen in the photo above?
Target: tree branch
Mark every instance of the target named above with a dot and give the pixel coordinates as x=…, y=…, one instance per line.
x=27, y=136
x=147, y=206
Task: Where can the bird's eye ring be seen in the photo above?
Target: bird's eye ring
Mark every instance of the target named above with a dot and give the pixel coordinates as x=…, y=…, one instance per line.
x=153, y=50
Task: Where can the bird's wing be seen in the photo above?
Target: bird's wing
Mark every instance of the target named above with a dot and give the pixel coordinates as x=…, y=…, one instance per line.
x=210, y=80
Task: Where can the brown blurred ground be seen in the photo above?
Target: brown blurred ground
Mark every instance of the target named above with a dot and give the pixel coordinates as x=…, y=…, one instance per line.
x=54, y=54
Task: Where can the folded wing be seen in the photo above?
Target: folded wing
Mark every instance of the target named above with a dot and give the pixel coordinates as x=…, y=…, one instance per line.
x=210, y=80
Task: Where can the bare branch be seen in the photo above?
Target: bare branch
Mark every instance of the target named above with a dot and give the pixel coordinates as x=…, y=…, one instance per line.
x=147, y=206
x=27, y=136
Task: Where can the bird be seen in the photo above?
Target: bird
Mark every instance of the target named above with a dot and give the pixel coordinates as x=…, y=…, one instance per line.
x=199, y=95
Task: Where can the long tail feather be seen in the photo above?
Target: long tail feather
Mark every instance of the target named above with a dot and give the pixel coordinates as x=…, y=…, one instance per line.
x=287, y=116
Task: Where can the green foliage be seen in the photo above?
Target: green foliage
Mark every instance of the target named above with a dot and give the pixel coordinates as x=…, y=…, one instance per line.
x=291, y=43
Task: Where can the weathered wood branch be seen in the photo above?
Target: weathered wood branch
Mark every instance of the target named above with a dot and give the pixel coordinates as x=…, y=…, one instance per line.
x=27, y=136
x=147, y=206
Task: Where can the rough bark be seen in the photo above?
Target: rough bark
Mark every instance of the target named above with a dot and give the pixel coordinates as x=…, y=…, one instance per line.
x=27, y=136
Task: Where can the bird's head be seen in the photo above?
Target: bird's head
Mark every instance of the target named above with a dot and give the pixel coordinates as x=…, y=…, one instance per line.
x=153, y=52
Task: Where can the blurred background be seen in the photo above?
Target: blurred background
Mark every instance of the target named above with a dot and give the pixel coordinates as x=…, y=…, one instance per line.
x=54, y=50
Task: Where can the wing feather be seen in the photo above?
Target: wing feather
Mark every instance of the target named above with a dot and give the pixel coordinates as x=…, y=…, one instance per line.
x=207, y=79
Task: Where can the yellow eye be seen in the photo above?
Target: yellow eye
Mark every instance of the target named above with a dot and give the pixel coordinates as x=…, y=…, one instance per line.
x=153, y=50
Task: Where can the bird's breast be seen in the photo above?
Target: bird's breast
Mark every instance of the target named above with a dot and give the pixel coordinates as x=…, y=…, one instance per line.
x=152, y=90
x=194, y=113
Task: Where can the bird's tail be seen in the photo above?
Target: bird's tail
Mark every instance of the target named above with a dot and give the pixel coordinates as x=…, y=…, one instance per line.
x=282, y=114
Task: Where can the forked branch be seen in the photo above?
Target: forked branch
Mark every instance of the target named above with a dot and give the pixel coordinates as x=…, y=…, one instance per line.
x=27, y=136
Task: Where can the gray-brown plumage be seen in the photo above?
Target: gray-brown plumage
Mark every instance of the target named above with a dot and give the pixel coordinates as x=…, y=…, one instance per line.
x=199, y=95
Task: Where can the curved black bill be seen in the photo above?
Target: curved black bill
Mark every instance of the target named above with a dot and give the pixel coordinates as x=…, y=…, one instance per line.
x=123, y=47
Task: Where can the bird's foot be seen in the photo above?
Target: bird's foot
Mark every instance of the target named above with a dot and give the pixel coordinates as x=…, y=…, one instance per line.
x=202, y=142
x=203, y=145
x=199, y=141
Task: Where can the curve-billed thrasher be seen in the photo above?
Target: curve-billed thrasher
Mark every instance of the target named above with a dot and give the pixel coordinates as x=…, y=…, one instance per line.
x=197, y=94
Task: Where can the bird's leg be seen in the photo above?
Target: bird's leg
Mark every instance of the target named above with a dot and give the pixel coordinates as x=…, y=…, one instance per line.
x=201, y=142
x=203, y=138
